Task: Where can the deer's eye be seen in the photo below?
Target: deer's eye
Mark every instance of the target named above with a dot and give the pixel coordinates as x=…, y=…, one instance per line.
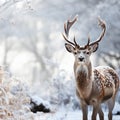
x=75, y=53
x=87, y=52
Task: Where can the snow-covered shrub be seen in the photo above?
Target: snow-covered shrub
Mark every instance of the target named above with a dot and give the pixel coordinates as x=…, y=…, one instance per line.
x=13, y=98
x=63, y=93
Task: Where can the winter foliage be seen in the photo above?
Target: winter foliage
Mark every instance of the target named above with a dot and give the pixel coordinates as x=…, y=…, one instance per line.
x=13, y=98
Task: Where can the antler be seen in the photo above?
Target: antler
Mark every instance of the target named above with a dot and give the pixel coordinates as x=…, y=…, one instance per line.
x=103, y=25
x=67, y=27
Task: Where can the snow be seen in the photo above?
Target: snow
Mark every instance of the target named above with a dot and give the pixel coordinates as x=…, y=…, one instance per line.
x=116, y=108
x=67, y=115
x=63, y=113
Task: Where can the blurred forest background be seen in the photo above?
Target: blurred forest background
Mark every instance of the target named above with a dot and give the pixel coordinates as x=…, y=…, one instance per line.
x=32, y=47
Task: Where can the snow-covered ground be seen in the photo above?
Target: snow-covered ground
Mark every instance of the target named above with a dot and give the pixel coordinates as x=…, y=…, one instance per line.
x=63, y=113
x=67, y=115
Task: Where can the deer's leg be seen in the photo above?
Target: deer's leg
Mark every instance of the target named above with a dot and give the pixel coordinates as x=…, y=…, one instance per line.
x=101, y=114
x=84, y=110
x=83, y=107
x=95, y=111
x=111, y=103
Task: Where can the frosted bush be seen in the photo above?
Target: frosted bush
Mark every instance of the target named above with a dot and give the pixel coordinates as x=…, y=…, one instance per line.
x=63, y=93
x=14, y=99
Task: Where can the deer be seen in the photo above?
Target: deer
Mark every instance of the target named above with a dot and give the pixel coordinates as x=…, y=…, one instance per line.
x=94, y=85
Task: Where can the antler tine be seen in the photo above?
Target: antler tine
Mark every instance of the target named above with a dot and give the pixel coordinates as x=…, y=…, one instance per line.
x=67, y=27
x=75, y=42
x=103, y=26
x=88, y=40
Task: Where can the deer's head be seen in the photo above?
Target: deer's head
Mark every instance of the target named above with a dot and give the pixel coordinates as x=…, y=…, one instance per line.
x=82, y=54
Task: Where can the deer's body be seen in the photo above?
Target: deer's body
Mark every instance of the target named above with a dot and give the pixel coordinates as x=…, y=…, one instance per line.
x=93, y=85
x=97, y=86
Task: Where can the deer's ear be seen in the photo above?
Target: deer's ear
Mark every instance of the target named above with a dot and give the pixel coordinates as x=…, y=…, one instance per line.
x=69, y=47
x=94, y=47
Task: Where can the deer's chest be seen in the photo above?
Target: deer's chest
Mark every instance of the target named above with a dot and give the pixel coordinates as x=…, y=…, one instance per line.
x=83, y=81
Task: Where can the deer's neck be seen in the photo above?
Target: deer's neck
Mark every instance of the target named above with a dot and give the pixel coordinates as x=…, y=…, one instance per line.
x=83, y=75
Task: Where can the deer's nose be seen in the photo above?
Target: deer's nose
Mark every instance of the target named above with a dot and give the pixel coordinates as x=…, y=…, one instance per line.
x=81, y=58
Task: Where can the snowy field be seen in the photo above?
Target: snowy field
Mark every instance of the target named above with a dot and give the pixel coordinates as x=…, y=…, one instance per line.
x=63, y=113
x=66, y=115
